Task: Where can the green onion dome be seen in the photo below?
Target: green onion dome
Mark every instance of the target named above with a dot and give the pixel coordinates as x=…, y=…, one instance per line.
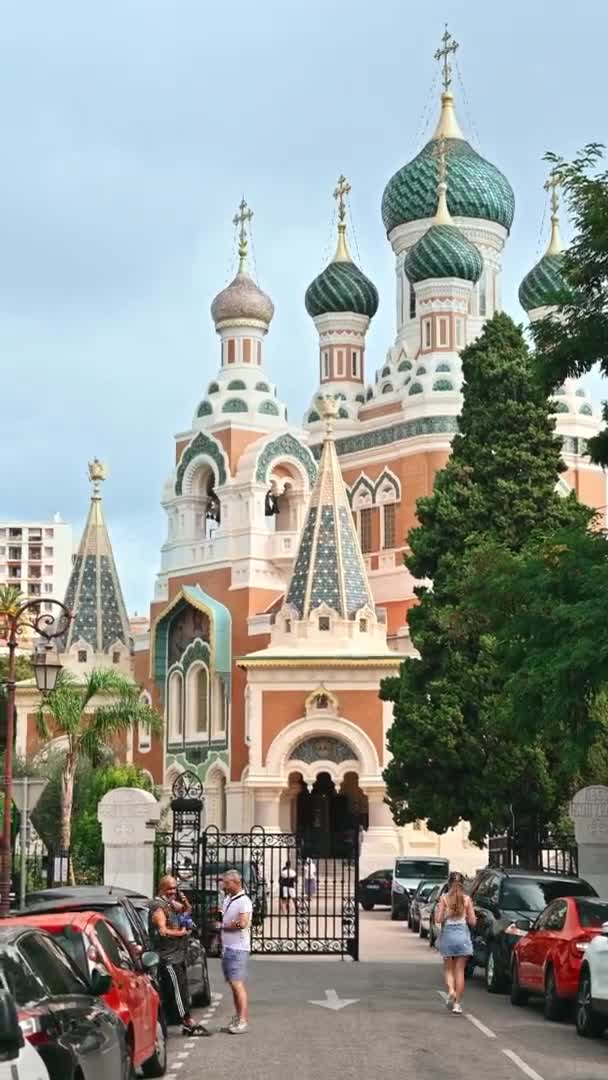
x=342, y=286
x=443, y=252
x=477, y=189
x=543, y=284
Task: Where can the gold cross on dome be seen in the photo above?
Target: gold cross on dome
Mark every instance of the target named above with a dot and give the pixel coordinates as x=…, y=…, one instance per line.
x=442, y=54
x=240, y=221
x=342, y=190
x=553, y=185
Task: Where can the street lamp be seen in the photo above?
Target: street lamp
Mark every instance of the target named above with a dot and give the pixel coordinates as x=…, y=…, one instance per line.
x=15, y=619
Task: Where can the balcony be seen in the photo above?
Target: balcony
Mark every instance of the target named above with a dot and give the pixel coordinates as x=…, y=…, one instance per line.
x=15, y=534
x=14, y=573
x=14, y=554
x=283, y=546
x=35, y=554
x=34, y=590
x=35, y=572
x=35, y=534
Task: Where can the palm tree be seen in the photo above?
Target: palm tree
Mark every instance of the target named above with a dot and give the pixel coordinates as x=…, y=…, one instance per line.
x=67, y=712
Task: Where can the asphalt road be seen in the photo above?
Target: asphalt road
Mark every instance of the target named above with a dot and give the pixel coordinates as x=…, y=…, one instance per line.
x=396, y=1025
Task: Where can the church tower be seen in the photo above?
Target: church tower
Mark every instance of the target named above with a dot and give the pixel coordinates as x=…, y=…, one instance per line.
x=98, y=635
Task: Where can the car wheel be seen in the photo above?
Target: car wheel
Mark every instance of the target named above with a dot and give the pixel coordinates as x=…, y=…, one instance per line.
x=495, y=981
x=156, y=1065
x=518, y=996
x=589, y=1024
x=422, y=931
x=555, y=1007
x=367, y=906
x=203, y=996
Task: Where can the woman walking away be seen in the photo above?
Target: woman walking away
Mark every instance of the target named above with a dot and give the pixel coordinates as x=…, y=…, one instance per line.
x=456, y=916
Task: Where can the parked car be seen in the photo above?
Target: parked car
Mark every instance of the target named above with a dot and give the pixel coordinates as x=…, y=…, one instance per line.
x=407, y=875
x=375, y=889
x=19, y=1060
x=547, y=960
x=507, y=901
x=420, y=897
x=61, y=1013
x=428, y=926
x=92, y=943
x=127, y=912
x=592, y=994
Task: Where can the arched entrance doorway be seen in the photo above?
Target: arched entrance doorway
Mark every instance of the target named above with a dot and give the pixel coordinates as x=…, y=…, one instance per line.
x=329, y=816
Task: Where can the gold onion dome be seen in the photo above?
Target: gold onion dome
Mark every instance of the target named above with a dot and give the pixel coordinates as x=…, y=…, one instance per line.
x=341, y=286
x=242, y=301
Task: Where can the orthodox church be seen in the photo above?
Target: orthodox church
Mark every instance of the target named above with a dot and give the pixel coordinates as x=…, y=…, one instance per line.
x=282, y=596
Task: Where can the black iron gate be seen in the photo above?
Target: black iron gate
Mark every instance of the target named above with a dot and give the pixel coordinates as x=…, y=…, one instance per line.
x=301, y=903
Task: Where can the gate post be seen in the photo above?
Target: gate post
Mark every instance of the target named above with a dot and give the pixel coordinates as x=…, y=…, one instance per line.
x=128, y=818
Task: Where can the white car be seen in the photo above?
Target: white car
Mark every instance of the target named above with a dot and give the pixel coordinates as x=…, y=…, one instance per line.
x=592, y=996
x=19, y=1060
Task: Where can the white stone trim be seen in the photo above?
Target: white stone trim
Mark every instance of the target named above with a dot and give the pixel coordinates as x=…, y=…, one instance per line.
x=277, y=758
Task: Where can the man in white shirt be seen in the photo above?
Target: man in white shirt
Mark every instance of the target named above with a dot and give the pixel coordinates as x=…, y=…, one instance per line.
x=237, y=910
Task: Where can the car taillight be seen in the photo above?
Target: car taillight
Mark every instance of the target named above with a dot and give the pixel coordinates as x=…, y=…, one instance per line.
x=579, y=945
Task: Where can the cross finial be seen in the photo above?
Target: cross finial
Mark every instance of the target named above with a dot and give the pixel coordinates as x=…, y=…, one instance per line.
x=439, y=152
x=449, y=46
x=553, y=185
x=342, y=190
x=240, y=221
x=97, y=472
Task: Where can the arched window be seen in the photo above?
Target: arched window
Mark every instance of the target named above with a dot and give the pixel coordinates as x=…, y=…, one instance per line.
x=175, y=701
x=144, y=735
x=197, y=700
x=218, y=715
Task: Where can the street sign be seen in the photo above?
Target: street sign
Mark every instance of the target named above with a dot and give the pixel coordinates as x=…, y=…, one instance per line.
x=27, y=791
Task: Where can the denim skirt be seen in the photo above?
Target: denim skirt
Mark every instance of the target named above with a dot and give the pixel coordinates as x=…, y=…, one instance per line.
x=455, y=940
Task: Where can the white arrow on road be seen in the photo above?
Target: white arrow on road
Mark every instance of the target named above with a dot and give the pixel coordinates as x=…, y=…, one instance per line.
x=333, y=1002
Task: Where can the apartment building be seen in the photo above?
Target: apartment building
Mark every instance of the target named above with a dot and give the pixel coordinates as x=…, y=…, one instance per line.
x=37, y=556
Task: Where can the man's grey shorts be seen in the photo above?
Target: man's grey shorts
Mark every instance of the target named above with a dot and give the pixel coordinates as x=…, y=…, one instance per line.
x=234, y=964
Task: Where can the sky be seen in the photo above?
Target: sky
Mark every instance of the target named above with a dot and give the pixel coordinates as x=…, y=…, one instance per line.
x=130, y=130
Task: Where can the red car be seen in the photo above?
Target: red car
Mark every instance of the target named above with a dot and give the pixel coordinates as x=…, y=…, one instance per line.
x=547, y=960
x=92, y=943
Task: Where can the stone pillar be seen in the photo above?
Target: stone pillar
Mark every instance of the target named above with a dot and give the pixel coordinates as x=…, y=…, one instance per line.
x=380, y=843
x=236, y=815
x=267, y=809
x=129, y=817
x=589, y=812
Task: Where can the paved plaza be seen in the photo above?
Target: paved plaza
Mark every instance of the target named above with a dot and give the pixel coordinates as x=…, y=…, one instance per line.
x=396, y=1024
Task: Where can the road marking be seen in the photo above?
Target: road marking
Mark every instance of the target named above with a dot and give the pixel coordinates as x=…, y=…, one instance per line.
x=526, y=1069
x=183, y=1054
x=333, y=1002
x=177, y=1065
x=482, y=1027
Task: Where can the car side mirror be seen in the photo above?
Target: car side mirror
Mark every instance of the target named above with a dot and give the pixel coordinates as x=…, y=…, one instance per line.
x=604, y=930
x=525, y=925
x=11, y=1035
x=101, y=983
x=150, y=960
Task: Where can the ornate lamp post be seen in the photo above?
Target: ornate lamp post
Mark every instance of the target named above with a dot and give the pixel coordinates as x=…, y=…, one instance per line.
x=48, y=626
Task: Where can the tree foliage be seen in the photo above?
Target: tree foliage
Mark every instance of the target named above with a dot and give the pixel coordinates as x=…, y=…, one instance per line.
x=456, y=751
x=573, y=340
x=90, y=718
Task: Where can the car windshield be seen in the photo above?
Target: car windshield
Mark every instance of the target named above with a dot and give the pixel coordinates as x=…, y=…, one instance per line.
x=592, y=914
x=424, y=889
x=533, y=894
x=421, y=868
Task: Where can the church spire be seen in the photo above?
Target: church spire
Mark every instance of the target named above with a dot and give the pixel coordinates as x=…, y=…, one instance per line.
x=329, y=569
x=448, y=125
x=94, y=593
